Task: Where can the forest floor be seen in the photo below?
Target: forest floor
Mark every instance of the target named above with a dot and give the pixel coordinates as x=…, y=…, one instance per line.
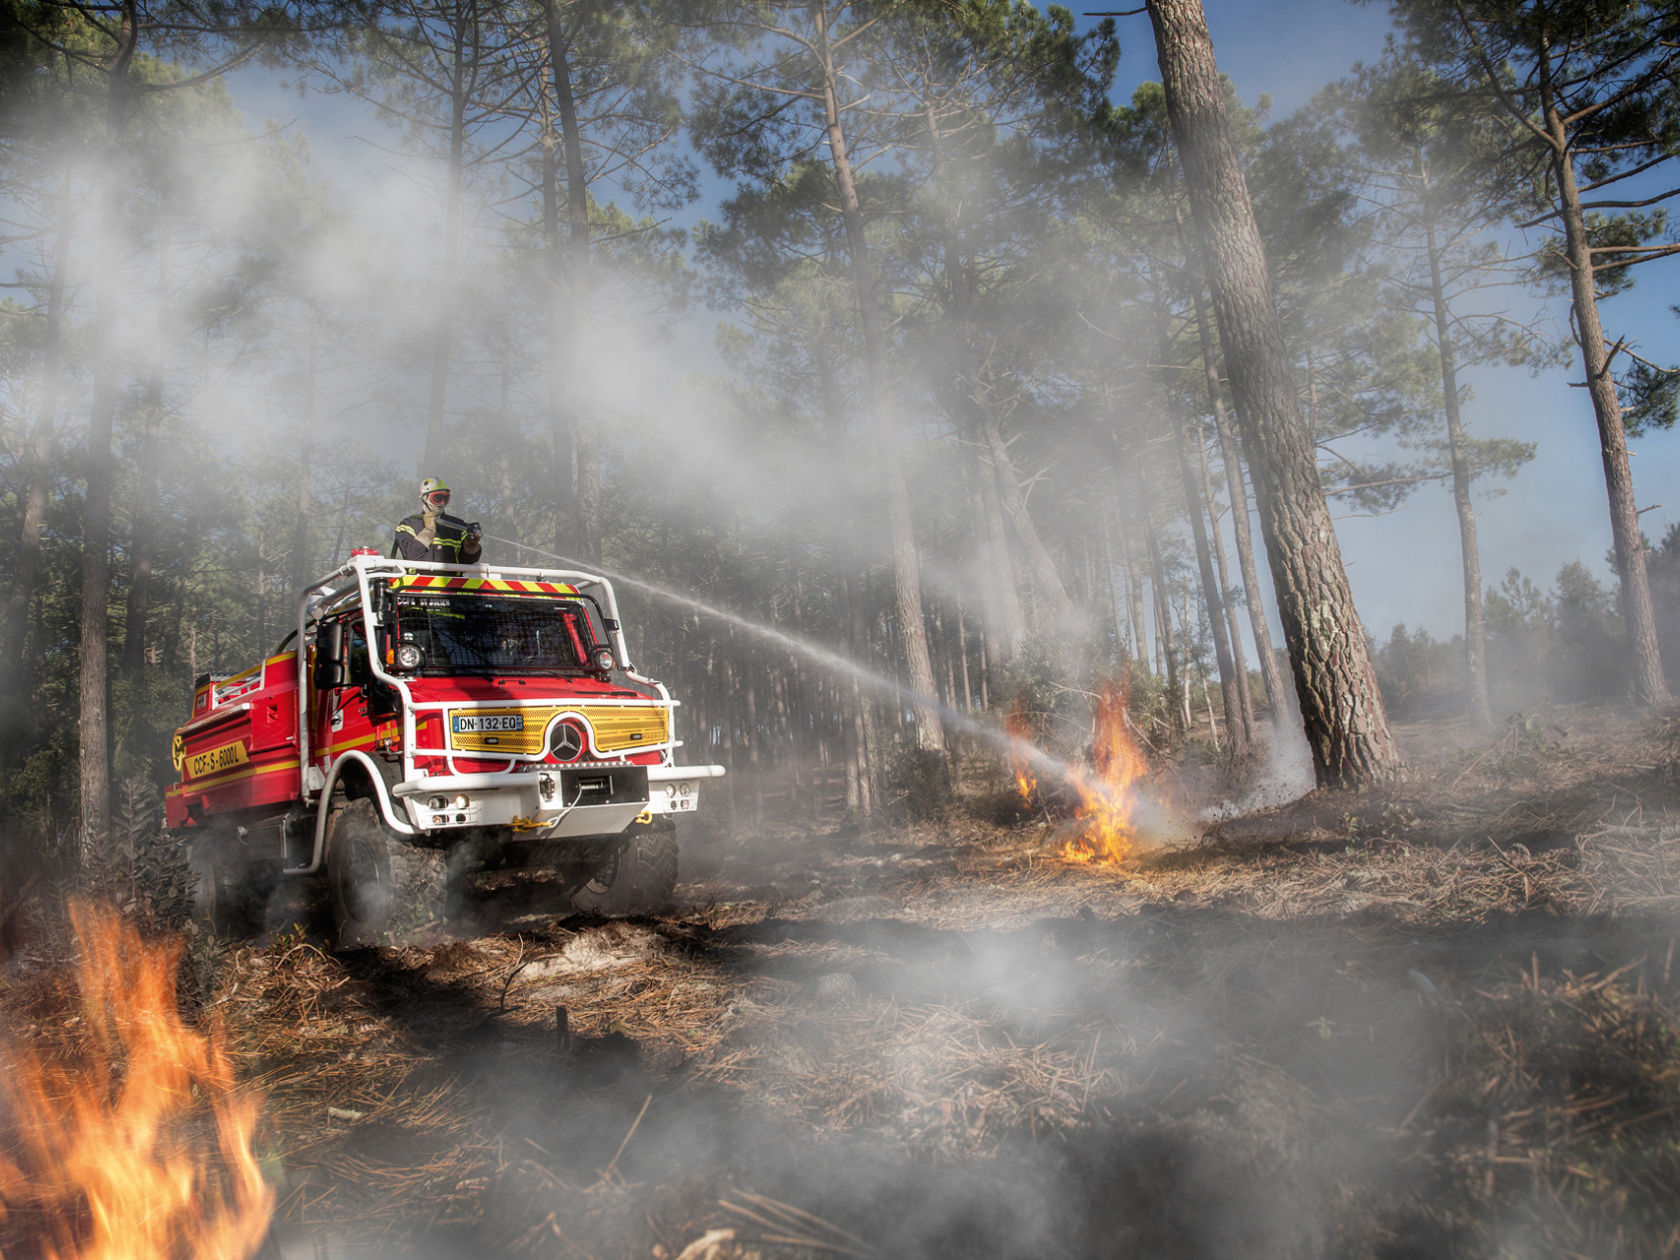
x=1441, y=1018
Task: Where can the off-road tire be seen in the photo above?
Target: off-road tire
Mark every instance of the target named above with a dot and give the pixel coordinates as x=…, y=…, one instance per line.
x=638, y=875
x=232, y=892
x=381, y=887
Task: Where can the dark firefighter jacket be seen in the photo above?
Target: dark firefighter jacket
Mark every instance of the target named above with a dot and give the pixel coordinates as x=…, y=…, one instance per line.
x=446, y=541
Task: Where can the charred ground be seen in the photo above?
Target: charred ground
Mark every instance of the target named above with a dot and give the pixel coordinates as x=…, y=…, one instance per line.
x=1437, y=1019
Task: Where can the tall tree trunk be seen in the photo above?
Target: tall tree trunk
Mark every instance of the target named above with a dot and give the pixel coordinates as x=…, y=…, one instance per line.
x=1341, y=707
x=792, y=677
x=39, y=466
x=586, y=518
x=930, y=735
x=962, y=655
x=561, y=475
x=145, y=491
x=443, y=323
x=1211, y=595
x=1005, y=618
x=1134, y=606
x=306, y=445
x=1637, y=611
x=1233, y=623
x=1210, y=373
x=1042, y=565
x=1272, y=677
x=857, y=716
x=92, y=736
x=1123, y=650
x=1475, y=631
x=1163, y=618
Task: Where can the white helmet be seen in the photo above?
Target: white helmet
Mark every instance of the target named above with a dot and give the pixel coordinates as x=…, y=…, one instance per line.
x=433, y=486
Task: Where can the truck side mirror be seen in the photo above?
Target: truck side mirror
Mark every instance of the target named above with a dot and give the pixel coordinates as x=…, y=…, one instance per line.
x=329, y=656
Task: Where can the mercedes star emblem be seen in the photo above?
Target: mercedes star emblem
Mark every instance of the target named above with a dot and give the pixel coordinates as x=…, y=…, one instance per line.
x=568, y=742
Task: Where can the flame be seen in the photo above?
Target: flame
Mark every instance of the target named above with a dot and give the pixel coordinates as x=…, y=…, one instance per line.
x=1106, y=798
x=111, y=1157
x=1019, y=727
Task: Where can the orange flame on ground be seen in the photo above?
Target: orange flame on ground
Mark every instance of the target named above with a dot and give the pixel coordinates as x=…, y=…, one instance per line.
x=1019, y=728
x=1106, y=799
x=111, y=1156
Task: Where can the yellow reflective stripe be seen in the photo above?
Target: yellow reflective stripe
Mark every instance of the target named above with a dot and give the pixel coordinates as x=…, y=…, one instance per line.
x=353, y=743
x=204, y=785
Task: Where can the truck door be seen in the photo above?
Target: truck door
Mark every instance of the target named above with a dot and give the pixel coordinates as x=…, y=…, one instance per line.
x=340, y=719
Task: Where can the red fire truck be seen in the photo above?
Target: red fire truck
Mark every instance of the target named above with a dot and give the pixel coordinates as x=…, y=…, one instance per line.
x=422, y=718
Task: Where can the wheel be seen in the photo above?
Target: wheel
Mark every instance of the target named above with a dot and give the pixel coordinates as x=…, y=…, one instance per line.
x=380, y=886
x=638, y=875
x=232, y=892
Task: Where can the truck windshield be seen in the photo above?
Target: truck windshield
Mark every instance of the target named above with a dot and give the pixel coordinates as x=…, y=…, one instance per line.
x=471, y=633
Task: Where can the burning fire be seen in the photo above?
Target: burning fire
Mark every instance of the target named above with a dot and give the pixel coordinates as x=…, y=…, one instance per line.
x=1106, y=796
x=1106, y=799
x=111, y=1154
x=1019, y=727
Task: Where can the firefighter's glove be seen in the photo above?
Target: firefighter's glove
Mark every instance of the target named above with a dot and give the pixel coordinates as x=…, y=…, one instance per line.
x=428, y=527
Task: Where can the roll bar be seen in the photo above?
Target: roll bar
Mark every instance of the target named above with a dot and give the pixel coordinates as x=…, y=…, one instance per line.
x=355, y=574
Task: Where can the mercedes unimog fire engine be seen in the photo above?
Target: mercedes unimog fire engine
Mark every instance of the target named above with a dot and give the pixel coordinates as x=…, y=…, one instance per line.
x=423, y=718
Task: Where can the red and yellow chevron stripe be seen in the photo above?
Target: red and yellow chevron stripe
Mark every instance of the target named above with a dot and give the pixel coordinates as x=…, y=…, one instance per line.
x=503, y=586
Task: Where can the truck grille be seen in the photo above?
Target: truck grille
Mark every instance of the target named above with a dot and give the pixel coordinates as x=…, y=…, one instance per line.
x=614, y=728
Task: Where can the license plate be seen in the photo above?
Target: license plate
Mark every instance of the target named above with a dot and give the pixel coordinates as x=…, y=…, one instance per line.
x=223, y=758
x=465, y=725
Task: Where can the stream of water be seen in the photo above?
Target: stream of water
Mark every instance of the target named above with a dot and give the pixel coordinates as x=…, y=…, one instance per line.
x=1011, y=744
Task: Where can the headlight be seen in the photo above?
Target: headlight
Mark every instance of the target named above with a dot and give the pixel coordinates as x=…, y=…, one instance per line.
x=409, y=656
x=461, y=802
x=603, y=659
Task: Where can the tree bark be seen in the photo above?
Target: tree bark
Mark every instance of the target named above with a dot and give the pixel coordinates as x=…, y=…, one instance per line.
x=1637, y=611
x=1341, y=707
x=857, y=716
x=94, y=769
x=1233, y=623
x=562, y=477
x=1006, y=617
x=1271, y=676
x=40, y=461
x=586, y=516
x=1211, y=595
x=1123, y=649
x=443, y=325
x=300, y=527
x=1163, y=619
x=1475, y=630
x=1043, y=567
x=930, y=736
x=145, y=492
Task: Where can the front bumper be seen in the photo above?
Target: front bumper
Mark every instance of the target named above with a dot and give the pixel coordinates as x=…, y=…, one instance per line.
x=554, y=802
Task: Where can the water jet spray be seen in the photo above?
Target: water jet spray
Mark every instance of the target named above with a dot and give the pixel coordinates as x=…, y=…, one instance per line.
x=1013, y=745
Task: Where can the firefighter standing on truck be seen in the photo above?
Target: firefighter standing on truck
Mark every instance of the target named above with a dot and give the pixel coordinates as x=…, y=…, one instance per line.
x=430, y=535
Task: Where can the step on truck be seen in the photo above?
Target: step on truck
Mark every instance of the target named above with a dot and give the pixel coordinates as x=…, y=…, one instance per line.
x=423, y=720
